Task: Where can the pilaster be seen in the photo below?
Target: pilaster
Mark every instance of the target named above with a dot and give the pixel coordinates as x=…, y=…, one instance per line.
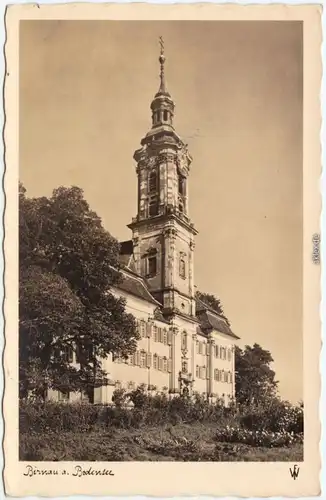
x=193, y=356
x=211, y=344
x=176, y=361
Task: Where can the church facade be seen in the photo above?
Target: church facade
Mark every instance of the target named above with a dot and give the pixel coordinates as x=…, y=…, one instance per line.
x=185, y=345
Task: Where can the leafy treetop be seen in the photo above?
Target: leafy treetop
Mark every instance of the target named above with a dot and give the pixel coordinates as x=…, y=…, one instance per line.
x=68, y=264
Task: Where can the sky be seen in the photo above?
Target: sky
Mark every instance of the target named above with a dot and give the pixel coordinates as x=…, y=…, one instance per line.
x=85, y=94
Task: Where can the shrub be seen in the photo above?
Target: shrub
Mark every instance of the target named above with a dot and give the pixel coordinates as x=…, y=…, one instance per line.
x=258, y=438
x=275, y=415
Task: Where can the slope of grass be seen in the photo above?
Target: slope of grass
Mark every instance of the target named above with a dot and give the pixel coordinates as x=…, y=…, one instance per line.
x=182, y=442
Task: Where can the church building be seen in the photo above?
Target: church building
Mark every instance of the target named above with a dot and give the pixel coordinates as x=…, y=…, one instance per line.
x=185, y=345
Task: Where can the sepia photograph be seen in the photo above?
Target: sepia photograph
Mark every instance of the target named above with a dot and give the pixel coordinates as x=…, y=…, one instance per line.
x=160, y=241
x=160, y=191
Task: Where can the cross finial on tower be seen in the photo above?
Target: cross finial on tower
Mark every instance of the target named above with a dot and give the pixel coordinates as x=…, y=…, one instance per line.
x=162, y=61
x=162, y=45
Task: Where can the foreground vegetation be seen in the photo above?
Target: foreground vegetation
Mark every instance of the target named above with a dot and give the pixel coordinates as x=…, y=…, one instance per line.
x=159, y=428
x=182, y=442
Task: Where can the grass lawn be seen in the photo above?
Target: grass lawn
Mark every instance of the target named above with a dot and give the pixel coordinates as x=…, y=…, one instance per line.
x=181, y=442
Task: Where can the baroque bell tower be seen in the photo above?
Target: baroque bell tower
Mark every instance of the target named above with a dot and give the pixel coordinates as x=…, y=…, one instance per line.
x=162, y=233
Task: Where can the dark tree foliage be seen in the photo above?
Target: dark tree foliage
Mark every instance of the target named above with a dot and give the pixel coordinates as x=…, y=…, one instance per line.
x=68, y=262
x=255, y=380
x=212, y=302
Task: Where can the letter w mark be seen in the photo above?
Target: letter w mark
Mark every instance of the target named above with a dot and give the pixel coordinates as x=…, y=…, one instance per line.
x=294, y=472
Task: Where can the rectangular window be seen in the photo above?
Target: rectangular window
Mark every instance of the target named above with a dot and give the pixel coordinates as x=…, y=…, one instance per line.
x=63, y=396
x=152, y=267
x=216, y=351
x=231, y=378
x=181, y=183
x=160, y=335
x=153, y=208
x=229, y=355
x=182, y=267
x=68, y=354
x=197, y=371
x=169, y=337
x=142, y=328
x=154, y=331
x=165, y=337
x=160, y=364
x=142, y=359
x=155, y=362
x=165, y=364
x=153, y=182
x=200, y=348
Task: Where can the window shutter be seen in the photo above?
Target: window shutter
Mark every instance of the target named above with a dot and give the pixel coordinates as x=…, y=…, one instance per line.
x=165, y=337
x=169, y=337
x=149, y=329
x=137, y=358
x=169, y=365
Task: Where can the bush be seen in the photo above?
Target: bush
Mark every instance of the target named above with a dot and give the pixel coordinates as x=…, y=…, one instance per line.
x=274, y=417
x=258, y=438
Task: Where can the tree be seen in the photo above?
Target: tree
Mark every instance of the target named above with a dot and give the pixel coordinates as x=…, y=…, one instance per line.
x=212, y=302
x=255, y=380
x=68, y=264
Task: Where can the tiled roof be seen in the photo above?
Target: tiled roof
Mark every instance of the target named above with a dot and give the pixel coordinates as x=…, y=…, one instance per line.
x=210, y=320
x=135, y=285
